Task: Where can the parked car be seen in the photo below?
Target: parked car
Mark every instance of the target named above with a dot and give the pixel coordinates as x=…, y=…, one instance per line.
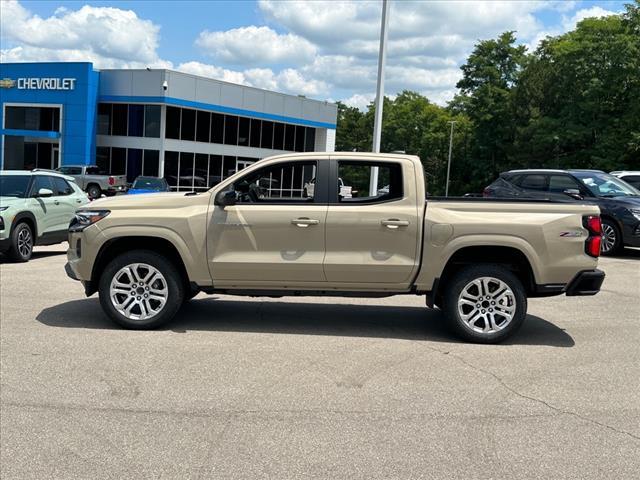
x=619, y=202
x=477, y=259
x=631, y=177
x=35, y=209
x=309, y=189
x=148, y=185
x=94, y=181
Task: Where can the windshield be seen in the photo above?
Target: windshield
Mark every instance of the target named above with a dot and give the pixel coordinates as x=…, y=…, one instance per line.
x=148, y=183
x=14, y=185
x=605, y=185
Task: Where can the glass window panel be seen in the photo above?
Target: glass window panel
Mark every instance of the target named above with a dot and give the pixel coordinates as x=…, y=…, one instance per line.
x=230, y=130
x=151, y=165
x=40, y=181
x=202, y=126
x=300, y=138
x=185, y=177
x=243, y=131
x=266, y=140
x=278, y=136
x=118, y=161
x=201, y=171
x=354, y=182
x=256, y=126
x=289, y=137
x=215, y=169
x=152, y=115
x=282, y=181
x=217, y=128
x=134, y=164
x=56, y=120
x=171, y=168
x=61, y=186
x=104, y=119
x=172, y=129
x=119, y=117
x=46, y=119
x=228, y=166
x=102, y=159
x=188, y=126
x=136, y=120
x=310, y=142
x=44, y=155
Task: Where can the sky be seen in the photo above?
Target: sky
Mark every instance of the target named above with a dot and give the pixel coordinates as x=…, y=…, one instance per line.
x=327, y=50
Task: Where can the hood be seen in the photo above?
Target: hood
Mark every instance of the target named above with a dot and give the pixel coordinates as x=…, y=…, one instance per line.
x=10, y=201
x=628, y=202
x=149, y=200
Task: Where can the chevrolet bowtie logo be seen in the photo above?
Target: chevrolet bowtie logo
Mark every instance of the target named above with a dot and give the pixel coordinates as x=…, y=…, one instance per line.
x=7, y=83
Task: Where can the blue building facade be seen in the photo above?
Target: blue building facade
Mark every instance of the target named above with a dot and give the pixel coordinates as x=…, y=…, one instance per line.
x=191, y=130
x=48, y=113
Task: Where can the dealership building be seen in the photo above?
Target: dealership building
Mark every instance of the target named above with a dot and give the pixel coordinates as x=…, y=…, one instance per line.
x=191, y=130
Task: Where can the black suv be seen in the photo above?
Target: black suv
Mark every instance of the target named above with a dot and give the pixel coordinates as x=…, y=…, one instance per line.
x=619, y=202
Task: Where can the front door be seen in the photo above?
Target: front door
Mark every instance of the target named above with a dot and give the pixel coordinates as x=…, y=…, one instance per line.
x=46, y=209
x=274, y=234
x=372, y=237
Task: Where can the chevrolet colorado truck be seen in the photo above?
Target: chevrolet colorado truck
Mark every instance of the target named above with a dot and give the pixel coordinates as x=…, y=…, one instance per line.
x=259, y=233
x=95, y=182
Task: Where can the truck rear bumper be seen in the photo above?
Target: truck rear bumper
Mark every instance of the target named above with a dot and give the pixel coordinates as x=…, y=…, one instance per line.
x=587, y=282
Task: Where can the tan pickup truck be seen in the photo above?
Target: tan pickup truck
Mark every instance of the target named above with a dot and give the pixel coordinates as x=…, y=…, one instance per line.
x=262, y=233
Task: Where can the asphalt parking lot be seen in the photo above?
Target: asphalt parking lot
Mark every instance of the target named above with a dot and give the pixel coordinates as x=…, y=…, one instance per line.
x=315, y=387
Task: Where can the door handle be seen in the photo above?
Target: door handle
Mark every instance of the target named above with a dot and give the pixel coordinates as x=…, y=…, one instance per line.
x=394, y=223
x=304, y=222
x=78, y=201
x=56, y=202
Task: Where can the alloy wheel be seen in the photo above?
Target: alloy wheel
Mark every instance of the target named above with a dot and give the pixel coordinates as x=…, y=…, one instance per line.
x=486, y=305
x=608, y=238
x=138, y=291
x=25, y=242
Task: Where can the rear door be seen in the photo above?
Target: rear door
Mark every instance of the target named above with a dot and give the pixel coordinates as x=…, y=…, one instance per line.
x=68, y=202
x=275, y=233
x=372, y=236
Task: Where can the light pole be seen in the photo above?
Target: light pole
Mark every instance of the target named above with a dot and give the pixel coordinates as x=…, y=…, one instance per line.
x=377, y=125
x=446, y=188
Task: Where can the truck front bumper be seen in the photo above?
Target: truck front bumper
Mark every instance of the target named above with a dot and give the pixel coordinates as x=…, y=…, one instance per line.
x=587, y=282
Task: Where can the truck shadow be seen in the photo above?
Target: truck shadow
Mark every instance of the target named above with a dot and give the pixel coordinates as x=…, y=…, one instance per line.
x=35, y=256
x=374, y=321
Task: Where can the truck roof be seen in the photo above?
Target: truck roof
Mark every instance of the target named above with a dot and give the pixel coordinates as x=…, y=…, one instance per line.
x=552, y=170
x=347, y=154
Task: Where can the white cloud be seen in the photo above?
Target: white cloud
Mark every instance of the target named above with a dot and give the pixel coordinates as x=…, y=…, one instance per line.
x=595, y=11
x=256, y=45
x=360, y=101
x=107, y=36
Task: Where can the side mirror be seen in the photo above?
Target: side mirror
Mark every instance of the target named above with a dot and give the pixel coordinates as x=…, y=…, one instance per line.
x=225, y=198
x=573, y=193
x=44, y=192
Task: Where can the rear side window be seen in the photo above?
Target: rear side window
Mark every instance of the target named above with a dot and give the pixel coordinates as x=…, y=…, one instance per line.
x=560, y=183
x=95, y=171
x=354, y=182
x=71, y=170
x=61, y=186
x=534, y=182
x=633, y=180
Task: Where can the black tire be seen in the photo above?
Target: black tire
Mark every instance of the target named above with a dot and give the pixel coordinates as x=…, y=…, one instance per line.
x=172, y=279
x=504, y=329
x=610, y=233
x=189, y=294
x=94, y=191
x=22, y=241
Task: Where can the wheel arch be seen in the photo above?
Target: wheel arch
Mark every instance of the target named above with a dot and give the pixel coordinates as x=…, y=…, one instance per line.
x=116, y=246
x=28, y=218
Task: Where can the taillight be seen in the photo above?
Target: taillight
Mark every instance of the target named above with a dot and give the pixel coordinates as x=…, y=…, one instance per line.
x=593, y=244
x=112, y=181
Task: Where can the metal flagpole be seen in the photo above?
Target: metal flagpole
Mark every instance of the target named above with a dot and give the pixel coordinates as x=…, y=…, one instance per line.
x=377, y=126
x=446, y=188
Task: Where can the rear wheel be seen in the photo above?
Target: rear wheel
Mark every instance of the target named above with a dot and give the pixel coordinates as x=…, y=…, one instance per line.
x=141, y=290
x=22, y=242
x=611, y=238
x=93, y=191
x=485, y=303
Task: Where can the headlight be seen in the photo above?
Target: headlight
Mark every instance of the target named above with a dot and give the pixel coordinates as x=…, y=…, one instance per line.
x=2, y=209
x=85, y=218
x=635, y=212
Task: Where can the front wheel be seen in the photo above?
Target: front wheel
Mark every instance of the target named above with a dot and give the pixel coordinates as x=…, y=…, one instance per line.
x=94, y=192
x=141, y=290
x=485, y=303
x=22, y=242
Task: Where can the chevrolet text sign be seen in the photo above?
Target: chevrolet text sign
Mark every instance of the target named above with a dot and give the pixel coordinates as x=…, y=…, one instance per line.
x=46, y=83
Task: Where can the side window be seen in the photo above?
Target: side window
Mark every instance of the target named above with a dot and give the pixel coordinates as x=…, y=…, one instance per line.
x=534, y=182
x=560, y=183
x=354, y=179
x=94, y=171
x=71, y=170
x=61, y=186
x=633, y=180
x=41, y=181
x=284, y=182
